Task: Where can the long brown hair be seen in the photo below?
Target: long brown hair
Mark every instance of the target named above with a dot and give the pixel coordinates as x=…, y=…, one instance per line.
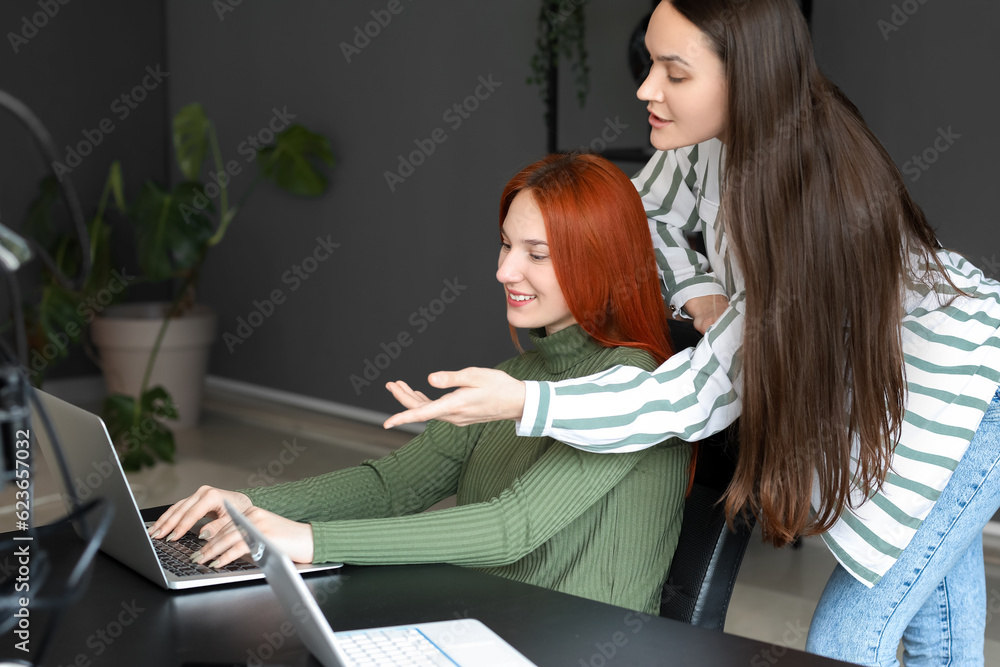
x=821, y=224
x=600, y=247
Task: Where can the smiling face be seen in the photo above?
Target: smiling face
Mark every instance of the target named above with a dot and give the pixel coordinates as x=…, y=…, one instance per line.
x=685, y=91
x=534, y=298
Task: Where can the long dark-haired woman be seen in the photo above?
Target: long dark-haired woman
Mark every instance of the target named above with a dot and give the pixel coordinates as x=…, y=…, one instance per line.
x=578, y=271
x=862, y=359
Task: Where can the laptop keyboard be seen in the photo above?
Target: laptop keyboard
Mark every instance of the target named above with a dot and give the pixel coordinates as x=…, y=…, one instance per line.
x=176, y=557
x=391, y=647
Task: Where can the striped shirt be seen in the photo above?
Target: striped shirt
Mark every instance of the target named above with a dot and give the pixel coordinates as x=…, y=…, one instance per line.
x=951, y=354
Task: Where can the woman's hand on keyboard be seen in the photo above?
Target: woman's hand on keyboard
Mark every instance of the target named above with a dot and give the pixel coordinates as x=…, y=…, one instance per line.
x=206, y=501
x=292, y=537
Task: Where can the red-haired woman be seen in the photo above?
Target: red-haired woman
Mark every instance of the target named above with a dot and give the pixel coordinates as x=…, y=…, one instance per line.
x=578, y=270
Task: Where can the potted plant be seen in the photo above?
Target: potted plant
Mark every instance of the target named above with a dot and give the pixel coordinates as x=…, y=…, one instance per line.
x=560, y=34
x=174, y=230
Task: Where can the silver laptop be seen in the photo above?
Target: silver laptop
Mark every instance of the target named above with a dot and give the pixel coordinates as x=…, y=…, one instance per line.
x=96, y=472
x=465, y=642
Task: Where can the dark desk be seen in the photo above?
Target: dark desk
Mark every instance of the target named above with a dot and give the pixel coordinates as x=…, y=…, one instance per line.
x=125, y=620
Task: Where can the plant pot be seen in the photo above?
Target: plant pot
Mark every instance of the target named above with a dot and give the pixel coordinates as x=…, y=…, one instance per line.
x=124, y=336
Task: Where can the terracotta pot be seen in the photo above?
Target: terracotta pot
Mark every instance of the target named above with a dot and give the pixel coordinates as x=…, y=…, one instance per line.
x=124, y=336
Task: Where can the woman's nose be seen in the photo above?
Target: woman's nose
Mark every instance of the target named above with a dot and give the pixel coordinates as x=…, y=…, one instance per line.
x=648, y=92
x=507, y=269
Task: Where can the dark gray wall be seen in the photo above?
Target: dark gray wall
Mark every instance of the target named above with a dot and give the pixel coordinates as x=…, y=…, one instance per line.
x=71, y=71
x=397, y=248
x=920, y=71
x=400, y=248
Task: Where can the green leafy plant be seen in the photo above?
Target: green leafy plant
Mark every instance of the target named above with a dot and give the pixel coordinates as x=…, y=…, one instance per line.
x=561, y=27
x=174, y=231
x=141, y=443
x=59, y=313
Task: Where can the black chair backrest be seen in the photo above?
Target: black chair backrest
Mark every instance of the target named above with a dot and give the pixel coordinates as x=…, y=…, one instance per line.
x=708, y=556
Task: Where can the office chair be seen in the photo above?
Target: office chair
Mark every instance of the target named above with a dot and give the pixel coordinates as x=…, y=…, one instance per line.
x=708, y=556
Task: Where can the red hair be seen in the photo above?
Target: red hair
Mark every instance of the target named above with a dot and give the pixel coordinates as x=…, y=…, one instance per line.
x=602, y=253
x=601, y=249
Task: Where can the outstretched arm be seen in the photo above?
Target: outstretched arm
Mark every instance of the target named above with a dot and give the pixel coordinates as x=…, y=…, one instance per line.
x=483, y=395
x=692, y=395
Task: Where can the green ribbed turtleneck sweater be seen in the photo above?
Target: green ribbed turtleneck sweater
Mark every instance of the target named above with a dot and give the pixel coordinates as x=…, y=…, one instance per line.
x=534, y=510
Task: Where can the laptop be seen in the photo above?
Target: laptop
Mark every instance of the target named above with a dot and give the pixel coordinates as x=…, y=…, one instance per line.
x=96, y=472
x=465, y=642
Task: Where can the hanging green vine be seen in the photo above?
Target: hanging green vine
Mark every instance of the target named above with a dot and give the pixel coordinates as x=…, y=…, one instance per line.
x=561, y=33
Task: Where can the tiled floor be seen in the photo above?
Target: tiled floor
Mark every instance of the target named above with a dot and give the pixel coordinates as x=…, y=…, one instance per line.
x=246, y=443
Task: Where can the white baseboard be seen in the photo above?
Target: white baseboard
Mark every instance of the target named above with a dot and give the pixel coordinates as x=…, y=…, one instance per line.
x=90, y=390
x=290, y=399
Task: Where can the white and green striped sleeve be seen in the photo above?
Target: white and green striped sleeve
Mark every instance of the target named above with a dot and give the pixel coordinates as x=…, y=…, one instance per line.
x=692, y=395
x=669, y=186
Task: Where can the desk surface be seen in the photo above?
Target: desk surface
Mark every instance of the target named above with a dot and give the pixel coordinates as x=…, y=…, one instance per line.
x=123, y=619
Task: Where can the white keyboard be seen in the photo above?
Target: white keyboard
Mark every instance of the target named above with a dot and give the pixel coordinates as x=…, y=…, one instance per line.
x=404, y=647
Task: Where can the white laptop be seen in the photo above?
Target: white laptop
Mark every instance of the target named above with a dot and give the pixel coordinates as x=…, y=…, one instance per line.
x=96, y=472
x=465, y=642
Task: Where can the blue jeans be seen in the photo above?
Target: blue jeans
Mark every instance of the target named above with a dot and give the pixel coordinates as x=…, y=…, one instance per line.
x=934, y=597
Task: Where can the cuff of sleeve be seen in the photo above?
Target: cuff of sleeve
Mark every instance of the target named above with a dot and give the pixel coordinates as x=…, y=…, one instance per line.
x=253, y=493
x=685, y=294
x=323, y=539
x=536, y=409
